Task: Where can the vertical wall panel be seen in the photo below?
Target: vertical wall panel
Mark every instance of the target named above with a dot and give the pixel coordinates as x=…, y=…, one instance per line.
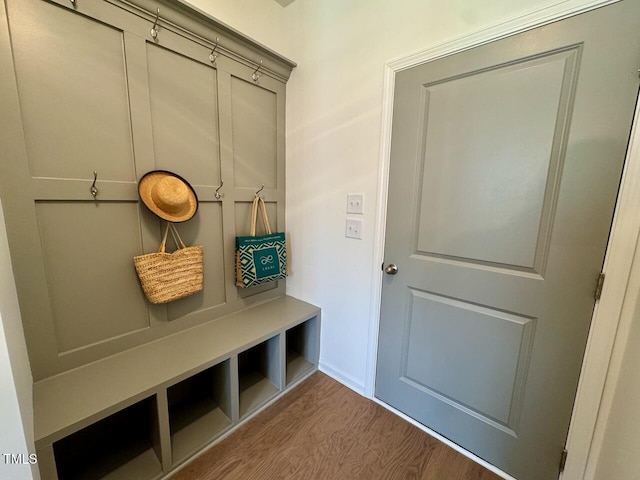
x=184, y=116
x=254, y=135
x=62, y=60
x=88, y=250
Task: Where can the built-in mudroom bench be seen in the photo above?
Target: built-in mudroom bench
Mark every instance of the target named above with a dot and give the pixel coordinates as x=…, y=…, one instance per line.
x=141, y=413
x=95, y=95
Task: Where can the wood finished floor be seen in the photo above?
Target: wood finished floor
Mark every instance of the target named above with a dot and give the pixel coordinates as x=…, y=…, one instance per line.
x=322, y=430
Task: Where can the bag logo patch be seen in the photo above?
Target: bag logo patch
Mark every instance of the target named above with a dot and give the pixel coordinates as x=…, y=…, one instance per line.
x=264, y=260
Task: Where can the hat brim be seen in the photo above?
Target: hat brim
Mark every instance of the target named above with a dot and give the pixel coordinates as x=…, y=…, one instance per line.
x=145, y=186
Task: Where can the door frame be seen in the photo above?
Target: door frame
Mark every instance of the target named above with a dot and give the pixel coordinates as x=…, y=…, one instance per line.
x=610, y=324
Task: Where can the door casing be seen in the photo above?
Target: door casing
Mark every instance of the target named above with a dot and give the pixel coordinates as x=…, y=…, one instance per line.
x=606, y=319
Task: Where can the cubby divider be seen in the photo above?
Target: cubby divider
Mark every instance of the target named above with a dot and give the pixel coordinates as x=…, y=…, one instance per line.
x=199, y=410
x=122, y=445
x=259, y=375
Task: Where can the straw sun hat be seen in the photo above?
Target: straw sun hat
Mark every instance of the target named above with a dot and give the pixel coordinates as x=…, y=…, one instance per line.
x=168, y=195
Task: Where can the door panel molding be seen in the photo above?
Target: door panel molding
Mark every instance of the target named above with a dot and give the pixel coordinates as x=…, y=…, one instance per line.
x=543, y=154
x=501, y=358
x=607, y=317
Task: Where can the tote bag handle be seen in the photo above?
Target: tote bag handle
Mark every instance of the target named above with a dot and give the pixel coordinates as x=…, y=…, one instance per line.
x=176, y=238
x=161, y=248
x=258, y=201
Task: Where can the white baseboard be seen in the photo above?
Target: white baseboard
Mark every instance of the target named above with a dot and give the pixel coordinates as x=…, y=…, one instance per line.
x=339, y=376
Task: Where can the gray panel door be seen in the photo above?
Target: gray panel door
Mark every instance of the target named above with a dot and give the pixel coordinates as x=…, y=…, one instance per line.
x=505, y=164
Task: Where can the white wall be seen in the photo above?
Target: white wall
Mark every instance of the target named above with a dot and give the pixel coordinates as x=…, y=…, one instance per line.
x=16, y=399
x=261, y=20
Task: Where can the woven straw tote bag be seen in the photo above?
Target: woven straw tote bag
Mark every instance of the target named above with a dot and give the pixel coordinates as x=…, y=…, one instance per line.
x=169, y=276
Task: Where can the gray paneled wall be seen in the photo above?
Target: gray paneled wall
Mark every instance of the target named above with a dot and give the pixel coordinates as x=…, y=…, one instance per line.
x=97, y=93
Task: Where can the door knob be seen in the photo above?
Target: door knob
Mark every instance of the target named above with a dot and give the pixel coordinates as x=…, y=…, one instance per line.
x=391, y=269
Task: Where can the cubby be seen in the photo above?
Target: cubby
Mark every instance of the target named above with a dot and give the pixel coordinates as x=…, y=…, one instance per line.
x=199, y=410
x=259, y=375
x=153, y=414
x=301, y=350
x=122, y=445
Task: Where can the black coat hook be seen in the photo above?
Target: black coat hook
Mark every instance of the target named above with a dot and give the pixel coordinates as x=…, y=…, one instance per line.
x=256, y=76
x=94, y=189
x=219, y=195
x=154, y=29
x=213, y=56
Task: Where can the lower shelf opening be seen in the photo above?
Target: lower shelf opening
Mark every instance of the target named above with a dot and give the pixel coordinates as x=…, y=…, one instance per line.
x=122, y=445
x=301, y=350
x=199, y=410
x=258, y=375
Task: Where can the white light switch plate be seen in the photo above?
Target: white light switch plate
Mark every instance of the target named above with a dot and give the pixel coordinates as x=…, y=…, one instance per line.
x=355, y=203
x=353, y=229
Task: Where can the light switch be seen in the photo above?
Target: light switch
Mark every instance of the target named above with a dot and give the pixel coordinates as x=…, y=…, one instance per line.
x=353, y=229
x=355, y=203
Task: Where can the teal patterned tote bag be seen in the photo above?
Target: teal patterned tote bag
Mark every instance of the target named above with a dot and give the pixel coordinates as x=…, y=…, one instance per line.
x=260, y=258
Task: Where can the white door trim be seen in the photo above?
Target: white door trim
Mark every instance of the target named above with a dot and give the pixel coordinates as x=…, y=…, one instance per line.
x=607, y=323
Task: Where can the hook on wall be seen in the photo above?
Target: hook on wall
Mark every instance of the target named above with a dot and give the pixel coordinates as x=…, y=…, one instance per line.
x=213, y=56
x=154, y=29
x=256, y=76
x=258, y=192
x=94, y=189
x=219, y=195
